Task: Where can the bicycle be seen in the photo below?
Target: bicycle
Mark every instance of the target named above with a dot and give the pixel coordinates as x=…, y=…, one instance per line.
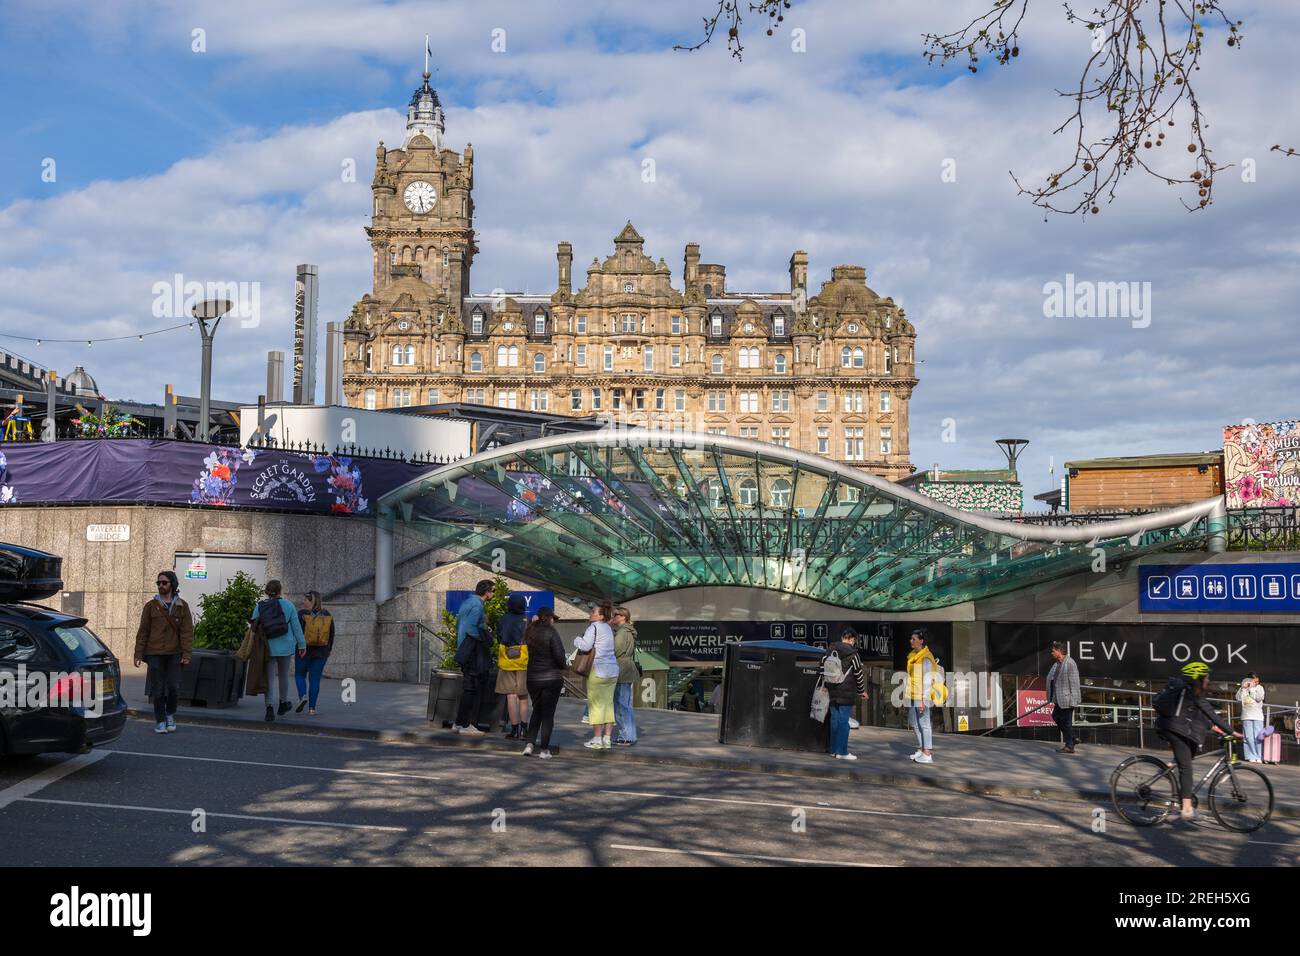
x=1144, y=790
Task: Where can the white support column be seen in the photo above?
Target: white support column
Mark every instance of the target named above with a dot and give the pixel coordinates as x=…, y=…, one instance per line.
x=384, y=589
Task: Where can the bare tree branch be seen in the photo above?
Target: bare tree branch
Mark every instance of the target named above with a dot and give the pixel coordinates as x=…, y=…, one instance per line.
x=1137, y=85
x=729, y=12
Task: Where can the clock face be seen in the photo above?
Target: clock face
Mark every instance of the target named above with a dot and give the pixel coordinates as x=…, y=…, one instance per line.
x=420, y=196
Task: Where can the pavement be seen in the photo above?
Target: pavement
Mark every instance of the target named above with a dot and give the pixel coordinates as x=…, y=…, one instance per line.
x=243, y=795
x=1023, y=769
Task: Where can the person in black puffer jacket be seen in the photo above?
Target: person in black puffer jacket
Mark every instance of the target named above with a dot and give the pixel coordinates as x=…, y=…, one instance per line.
x=846, y=693
x=546, y=667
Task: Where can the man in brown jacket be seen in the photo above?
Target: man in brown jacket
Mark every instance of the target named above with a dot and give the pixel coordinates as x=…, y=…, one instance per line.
x=164, y=639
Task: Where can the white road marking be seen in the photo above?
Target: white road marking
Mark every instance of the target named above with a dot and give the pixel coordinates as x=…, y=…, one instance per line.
x=822, y=809
x=39, y=781
x=277, y=766
x=1294, y=846
x=226, y=816
x=739, y=856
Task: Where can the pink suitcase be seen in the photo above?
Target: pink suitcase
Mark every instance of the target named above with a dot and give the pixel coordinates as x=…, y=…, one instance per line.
x=1272, y=748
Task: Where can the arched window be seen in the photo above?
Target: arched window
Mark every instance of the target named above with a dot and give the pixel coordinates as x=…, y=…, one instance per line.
x=716, y=364
x=370, y=358
x=397, y=355
x=781, y=493
x=749, y=493
x=779, y=365
x=502, y=355
x=475, y=362
x=514, y=356
x=859, y=358
x=846, y=357
x=539, y=362
x=410, y=355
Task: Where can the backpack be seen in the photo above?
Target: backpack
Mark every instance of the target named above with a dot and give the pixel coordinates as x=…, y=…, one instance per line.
x=938, y=684
x=271, y=616
x=316, y=629
x=833, y=668
x=1169, y=702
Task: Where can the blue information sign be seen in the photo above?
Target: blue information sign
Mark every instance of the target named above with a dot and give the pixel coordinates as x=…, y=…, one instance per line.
x=1230, y=588
x=534, y=599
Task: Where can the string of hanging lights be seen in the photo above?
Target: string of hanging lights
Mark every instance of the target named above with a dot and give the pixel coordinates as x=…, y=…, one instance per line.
x=139, y=336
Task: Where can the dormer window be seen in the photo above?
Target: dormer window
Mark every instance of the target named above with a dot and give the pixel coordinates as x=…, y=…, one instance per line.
x=778, y=323
x=539, y=323
x=476, y=323
x=715, y=323
x=853, y=328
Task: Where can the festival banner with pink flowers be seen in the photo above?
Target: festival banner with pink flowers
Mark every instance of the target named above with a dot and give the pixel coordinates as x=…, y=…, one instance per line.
x=178, y=472
x=1261, y=464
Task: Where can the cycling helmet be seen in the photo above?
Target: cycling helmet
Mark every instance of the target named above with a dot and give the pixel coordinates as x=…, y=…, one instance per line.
x=1195, y=670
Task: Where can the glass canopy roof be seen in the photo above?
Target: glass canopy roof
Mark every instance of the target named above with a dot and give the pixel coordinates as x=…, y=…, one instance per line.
x=619, y=514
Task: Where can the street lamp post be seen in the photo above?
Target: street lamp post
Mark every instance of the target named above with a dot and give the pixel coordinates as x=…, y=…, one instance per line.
x=210, y=310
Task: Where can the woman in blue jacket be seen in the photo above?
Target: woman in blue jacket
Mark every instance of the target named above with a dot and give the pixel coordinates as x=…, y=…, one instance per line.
x=278, y=619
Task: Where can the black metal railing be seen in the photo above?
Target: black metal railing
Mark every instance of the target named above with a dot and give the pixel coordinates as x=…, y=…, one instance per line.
x=302, y=447
x=1264, y=529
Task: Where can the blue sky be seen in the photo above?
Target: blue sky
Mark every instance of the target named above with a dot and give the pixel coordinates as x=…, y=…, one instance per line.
x=226, y=164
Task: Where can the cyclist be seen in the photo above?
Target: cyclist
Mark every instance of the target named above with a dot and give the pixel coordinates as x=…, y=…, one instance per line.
x=1184, y=719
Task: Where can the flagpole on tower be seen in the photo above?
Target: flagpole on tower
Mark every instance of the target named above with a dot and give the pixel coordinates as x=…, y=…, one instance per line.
x=426, y=56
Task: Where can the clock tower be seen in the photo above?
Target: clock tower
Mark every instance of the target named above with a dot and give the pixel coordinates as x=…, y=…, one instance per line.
x=423, y=213
x=422, y=243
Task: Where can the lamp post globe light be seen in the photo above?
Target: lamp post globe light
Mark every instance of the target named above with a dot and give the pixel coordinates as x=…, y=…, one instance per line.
x=209, y=310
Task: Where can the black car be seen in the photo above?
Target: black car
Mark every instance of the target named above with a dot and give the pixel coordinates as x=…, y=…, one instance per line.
x=60, y=687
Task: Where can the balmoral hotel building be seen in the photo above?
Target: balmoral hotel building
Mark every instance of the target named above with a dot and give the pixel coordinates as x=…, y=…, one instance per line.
x=830, y=373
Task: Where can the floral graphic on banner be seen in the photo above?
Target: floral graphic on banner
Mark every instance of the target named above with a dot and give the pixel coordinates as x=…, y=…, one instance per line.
x=1261, y=464
x=344, y=481
x=7, y=494
x=216, y=486
x=999, y=497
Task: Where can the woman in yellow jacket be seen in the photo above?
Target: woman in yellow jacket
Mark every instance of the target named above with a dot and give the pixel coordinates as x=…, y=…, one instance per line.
x=922, y=692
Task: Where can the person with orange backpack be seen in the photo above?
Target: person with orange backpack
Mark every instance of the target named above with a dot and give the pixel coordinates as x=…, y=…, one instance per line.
x=318, y=631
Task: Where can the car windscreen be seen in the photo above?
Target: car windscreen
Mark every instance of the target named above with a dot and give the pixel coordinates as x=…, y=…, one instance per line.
x=81, y=644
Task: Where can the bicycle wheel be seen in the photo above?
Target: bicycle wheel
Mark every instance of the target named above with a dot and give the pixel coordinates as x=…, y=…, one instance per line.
x=1143, y=790
x=1241, y=798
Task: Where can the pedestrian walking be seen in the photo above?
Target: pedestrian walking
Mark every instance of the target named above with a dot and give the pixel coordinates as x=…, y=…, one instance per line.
x=1063, y=691
x=602, y=677
x=545, y=680
x=473, y=644
x=628, y=675
x=921, y=668
x=318, y=633
x=278, y=620
x=512, y=664
x=846, y=681
x=1251, y=697
x=164, y=640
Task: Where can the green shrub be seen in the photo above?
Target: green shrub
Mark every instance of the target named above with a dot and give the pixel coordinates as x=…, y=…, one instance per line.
x=494, y=608
x=226, y=613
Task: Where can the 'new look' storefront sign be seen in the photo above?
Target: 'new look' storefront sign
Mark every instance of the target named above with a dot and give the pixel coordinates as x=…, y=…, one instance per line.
x=1226, y=588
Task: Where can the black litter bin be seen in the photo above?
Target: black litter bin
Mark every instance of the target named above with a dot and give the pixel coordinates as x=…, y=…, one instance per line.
x=212, y=679
x=767, y=691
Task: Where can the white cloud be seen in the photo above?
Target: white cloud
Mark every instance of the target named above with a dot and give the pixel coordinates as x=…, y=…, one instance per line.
x=813, y=151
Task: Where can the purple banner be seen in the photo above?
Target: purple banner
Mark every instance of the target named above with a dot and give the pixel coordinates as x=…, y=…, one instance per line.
x=178, y=472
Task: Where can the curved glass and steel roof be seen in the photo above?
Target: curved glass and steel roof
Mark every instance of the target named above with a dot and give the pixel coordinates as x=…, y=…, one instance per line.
x=618, y=514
